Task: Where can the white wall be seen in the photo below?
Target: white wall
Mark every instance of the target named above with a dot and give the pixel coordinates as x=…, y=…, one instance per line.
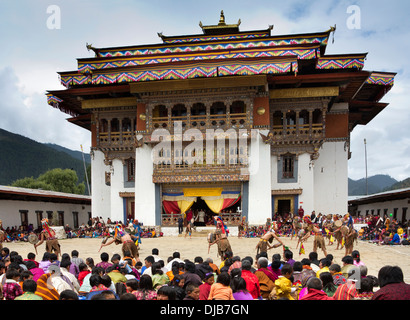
x=10, y=214
x=101, y=193
x=304, y=181
x=389, y=205
x=117, y=186
x=260, y=192
x=144, y=187
x=324, y=185
x=331, y=179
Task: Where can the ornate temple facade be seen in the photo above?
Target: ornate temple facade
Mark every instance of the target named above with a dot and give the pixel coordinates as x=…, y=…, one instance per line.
x=244, y=122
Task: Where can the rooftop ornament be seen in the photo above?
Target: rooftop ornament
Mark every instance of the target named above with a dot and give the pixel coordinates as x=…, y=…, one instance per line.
x=221, y=27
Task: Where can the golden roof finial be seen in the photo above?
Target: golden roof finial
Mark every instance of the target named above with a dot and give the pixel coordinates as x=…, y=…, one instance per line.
x=222, y=19
x=221, y=26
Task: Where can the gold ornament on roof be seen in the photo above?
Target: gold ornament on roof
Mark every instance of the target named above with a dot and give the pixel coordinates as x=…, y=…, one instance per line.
x=221, y=27
x=222, y=19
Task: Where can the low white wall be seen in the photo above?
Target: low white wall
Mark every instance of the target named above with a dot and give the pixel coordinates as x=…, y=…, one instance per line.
x=10, y=212
x=173, y=231
x=389, y=205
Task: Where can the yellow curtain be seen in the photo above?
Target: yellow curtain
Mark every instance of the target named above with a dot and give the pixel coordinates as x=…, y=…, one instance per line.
x=215, y=205
x=184, y=205
x=202, y=192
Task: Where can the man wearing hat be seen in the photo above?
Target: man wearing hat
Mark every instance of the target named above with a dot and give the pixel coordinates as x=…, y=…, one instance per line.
x=49, y=236
x=221, y=238
x=125, y=238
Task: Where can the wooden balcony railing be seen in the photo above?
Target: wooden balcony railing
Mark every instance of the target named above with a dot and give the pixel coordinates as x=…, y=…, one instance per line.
x=202, y=122
x=230, y=219
x=297, y=132
x=170, y=220
x=194, y=169
x=119, y=139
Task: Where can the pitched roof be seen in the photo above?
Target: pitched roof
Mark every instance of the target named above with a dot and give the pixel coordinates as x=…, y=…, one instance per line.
x=25, y=194
x=382, y=196
x=288, y=61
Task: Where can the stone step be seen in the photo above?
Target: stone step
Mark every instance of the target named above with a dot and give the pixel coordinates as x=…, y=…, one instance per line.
x=201, y=233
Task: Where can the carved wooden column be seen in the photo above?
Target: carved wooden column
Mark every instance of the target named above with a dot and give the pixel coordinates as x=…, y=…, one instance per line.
x=285, y=122
x=324, y=108
x=208, y=113
x=97, y=128
x=150, y=125
x=228, y=103
x=249, y=113
x=188, y=115
x=109, y=130
x=169, y=113
x=133, y=127
x=297, y=122
x=120, y=127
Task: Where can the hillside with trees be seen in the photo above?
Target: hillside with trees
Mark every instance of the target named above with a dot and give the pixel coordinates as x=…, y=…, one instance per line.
x=21, y=157
x=55, y=180
x=400, y=185
x=375, y=184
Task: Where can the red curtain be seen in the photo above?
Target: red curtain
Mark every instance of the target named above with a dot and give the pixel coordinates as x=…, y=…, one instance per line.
x=171, y=206
x=229, y=202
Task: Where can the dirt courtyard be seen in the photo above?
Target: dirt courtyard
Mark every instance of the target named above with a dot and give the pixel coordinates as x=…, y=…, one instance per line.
x=372, y=255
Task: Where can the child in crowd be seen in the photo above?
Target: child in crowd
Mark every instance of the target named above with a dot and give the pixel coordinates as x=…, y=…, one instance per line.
x=11, y=288
x=221, y=289
x=205, y=288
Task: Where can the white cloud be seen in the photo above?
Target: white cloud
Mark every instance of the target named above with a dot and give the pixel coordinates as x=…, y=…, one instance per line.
x=30, y=115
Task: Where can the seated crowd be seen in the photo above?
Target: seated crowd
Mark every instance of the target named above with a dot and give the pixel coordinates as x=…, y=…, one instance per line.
x=94, y=228
x=236, y=278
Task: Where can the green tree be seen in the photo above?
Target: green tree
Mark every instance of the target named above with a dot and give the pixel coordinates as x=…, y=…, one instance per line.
x=61, y=180
x=31, y=183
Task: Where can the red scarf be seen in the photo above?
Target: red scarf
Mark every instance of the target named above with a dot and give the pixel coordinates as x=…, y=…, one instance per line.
x=47, y=229
x=315, y=294
x=270, y=274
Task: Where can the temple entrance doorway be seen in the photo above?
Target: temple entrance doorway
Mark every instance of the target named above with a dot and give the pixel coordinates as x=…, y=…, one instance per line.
x=284, y=207
x=202, y=203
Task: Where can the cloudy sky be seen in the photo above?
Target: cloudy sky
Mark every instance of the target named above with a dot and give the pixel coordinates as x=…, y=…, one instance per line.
x=34, y=46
